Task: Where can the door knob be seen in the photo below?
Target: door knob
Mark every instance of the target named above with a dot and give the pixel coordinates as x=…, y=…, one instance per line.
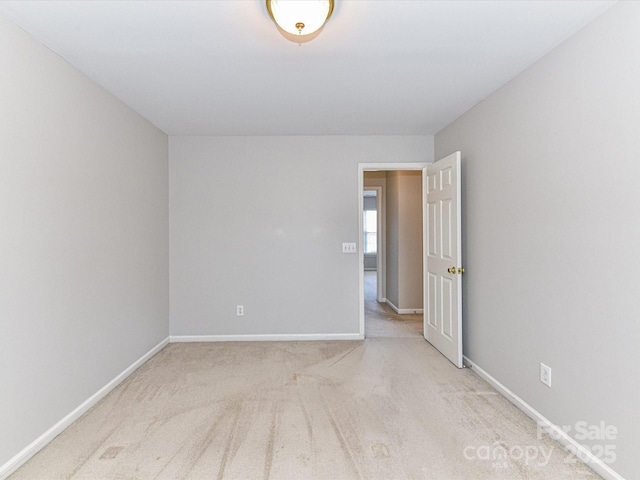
x=454, y=270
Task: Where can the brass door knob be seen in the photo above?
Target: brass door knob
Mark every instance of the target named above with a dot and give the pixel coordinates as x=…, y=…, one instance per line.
x=460, y=270
x=452, y=270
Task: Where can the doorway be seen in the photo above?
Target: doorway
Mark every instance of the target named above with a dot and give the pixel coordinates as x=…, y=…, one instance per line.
x=389, y=305
x=373, y=238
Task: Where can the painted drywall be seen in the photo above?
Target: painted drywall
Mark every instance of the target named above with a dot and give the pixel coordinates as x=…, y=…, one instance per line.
x=392, y=252
x=404, y=239
x=375, y=179
x=551, y=231
x=280, y=257
x=411, y=278
x=84, y=244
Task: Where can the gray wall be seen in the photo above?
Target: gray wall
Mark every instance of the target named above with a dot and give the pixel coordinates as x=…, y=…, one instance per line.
x=404, y=239
x=551, y=228
x=392, y=252
x=411, y=278
x=281, y=258
x=84, y=247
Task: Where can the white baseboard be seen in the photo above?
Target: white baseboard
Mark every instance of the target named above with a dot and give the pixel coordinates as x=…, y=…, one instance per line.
x=403, y=311
x=593, y=462
x=265, y=338
x=39, y=443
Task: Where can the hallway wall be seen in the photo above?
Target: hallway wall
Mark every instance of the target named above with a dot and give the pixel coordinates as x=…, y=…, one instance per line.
x=404, y=280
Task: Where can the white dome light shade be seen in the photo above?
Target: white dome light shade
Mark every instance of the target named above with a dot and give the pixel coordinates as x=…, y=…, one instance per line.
x=300, y=17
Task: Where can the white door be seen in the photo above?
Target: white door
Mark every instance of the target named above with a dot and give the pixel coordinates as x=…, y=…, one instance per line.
x=443, y=258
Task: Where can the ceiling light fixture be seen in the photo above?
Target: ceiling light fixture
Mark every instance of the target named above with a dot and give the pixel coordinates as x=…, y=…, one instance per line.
x=300, y=20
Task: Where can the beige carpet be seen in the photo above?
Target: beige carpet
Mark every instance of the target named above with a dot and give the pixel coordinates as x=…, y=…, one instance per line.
x=384, y=408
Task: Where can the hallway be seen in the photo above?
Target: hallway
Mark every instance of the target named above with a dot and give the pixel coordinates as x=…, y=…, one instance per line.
x=381, y=321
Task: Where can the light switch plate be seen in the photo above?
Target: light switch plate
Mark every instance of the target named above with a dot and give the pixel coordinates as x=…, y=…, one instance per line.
x=348, y=247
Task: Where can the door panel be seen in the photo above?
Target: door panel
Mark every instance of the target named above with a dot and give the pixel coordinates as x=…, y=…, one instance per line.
x=443, y=258
x=432, y=306
x=447, y=244
x=432, y=229
x=447, y=313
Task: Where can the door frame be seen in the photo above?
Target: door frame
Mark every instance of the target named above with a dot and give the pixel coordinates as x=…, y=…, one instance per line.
x=384, y=167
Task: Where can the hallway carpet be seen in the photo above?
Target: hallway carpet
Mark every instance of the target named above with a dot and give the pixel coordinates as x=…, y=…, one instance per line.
x=383, y=408
x=381, y=320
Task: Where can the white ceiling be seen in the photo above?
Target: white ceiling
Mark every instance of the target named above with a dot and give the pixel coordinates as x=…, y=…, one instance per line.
x=406, y=67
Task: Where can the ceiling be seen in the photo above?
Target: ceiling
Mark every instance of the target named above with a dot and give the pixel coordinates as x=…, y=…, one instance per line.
x=396, y=67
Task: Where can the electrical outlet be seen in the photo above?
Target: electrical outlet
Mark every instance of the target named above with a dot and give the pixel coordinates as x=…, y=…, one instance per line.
x=240, y=310
x=545, y=374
